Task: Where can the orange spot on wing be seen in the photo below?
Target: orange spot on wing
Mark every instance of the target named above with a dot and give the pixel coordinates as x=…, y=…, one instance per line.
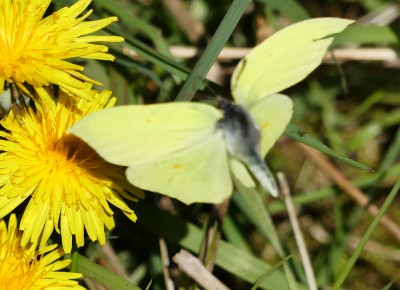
x=265, y=125
x=148, y=121
x=176, y=166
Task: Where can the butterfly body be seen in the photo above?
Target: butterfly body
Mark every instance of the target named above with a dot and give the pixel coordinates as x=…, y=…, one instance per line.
x=242, y=138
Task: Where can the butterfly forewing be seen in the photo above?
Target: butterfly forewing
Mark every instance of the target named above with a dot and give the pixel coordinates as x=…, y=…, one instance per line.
x=129, y=135
x=284, y=59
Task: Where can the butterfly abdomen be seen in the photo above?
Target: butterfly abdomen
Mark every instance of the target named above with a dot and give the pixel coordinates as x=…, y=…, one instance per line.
x=242, y=136
x=262, y=174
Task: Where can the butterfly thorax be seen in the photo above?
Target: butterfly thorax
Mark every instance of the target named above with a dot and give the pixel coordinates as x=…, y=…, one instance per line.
x=242, y=137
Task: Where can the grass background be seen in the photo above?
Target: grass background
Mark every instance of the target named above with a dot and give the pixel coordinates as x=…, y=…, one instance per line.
x=350, y=103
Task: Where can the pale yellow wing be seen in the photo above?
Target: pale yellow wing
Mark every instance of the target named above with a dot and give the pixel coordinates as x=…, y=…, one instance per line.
x=196, y=174
x=284, y=59
x=127, y=135
x=272, y=115
x=174, y=149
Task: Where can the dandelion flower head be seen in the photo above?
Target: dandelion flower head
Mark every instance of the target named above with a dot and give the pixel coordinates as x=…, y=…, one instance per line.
x=34, y=50
x=27, y=268
x=69, y=185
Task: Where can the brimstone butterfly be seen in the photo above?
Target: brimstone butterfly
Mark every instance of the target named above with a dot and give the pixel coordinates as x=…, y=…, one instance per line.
x=189, y=151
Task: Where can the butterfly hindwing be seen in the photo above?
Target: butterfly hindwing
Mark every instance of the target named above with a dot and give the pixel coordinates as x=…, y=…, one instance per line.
x=196, y=174
x=271, y=114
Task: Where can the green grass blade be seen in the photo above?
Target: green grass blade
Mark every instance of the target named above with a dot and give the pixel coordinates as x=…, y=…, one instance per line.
x=297, y=134
x=234, y=236
x=258, y=282
x=128, y=63
x=152, y=55
x=243, y=265
x=99, y=274
x=138, y=274
x=250, y=202
x=388, y=286
x=252, y=206
x=217, y=43
x=366, y=34
x=349, y=265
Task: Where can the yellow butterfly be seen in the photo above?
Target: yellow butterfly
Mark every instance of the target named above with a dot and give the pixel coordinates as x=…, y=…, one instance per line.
x=189, y=151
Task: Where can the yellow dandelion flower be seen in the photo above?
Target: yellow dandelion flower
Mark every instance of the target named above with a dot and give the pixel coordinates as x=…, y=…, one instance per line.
x=69, y=184
x=27, y=268
x=34, y=50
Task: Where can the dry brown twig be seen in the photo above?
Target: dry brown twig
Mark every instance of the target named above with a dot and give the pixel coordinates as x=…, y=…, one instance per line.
x=383, y=251
x=165, y=203
x=386, y=55
x=194, y=31
x=113, y=261
x=305, y=258
x=192, y=28
x=353, y=192
x=169, y=284
x=193, y=267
